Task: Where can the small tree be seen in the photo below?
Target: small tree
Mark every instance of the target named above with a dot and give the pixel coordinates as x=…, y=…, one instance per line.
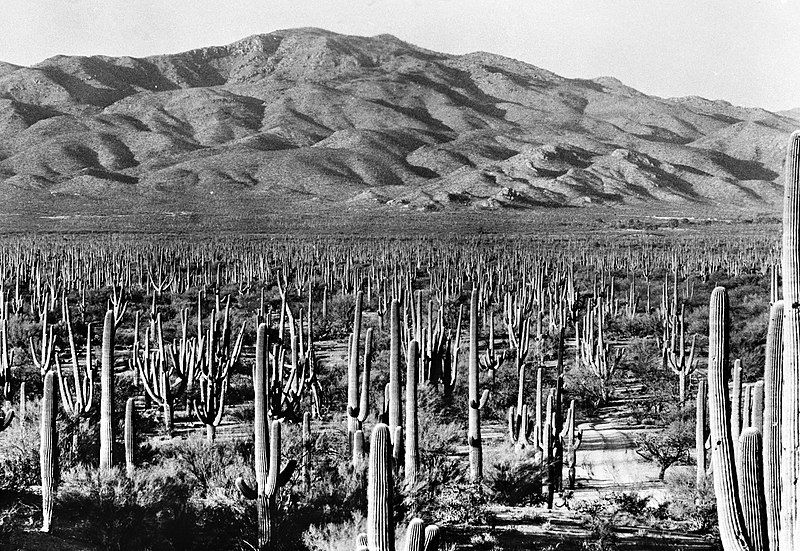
x=667, y=447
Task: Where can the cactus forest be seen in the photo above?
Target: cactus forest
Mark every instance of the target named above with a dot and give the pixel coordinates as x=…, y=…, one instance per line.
x=369, y=393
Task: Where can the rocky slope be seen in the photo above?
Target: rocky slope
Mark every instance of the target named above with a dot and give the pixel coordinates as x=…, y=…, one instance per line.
x=308, y=120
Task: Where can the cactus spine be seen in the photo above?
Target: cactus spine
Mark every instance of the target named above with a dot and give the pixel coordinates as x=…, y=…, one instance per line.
x=48, y=454
x=107, y=393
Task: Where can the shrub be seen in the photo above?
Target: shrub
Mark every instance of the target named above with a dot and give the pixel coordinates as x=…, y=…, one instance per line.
x=334, y=536
x=691, y=503
x=514, y=478
x=209, y=466
x=667, y=447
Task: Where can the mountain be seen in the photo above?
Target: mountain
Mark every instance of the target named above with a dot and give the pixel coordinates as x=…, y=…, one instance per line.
x=791, y=113
x=307, y=120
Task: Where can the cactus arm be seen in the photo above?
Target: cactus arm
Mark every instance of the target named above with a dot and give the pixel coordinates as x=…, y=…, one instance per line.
x=363, y=406
x=247, y=491
x=414, y=535
x=432, y=538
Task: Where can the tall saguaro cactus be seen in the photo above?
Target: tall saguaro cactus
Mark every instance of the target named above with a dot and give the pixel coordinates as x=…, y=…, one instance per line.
x=475, y=402
x=380, y=508
x=107, y=393
x=269, y=476
x=395, y=351
x=412, y=424
x=380, y=485
x=751, y=488
x=773, y=382
x=790, y=397
x=130, y=437
x=700, y=431
x=48, y=452
x=352, y=368
x=729, y=512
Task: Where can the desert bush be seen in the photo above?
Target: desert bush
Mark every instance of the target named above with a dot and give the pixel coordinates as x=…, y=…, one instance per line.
x=692, y=503
x=630, y=503
x=209, y=466
x=334, y=536
x=119, y=513
x=515, y=477
x=584, y=387
x=338, y=324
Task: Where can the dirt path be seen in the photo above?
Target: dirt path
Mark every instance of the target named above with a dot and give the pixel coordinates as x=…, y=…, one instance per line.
x=607, y=460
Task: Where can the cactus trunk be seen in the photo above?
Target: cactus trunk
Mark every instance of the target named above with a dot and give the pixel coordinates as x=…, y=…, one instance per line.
x=48, y=452
x=130, y=437
x=380, y=484
x=474, y=429
x=411, y=431
x=729, y=515
x=395, y=415
x=790, y=416
x=107, y=394
x=772, y=422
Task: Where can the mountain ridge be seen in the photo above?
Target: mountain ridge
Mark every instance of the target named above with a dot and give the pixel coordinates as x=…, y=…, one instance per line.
x=305, y=118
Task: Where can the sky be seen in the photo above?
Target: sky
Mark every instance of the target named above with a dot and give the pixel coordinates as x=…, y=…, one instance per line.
x=743, y=51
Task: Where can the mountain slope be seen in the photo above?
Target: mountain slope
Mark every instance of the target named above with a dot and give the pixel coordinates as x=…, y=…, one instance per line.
x=305, y=119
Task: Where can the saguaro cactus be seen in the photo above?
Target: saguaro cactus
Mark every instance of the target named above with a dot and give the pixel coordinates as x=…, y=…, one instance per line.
x=48, y=453
x=352, y=368
x=269, y=477
x=773, y=383
x=130, y=436
x=107, y=393
x=731, y=524
x=475, y=402
x=700, y=431
x=380, y=486
x=395, y=400
x=571, y=441
x=306, y=463
x=751, y=488
x=357, y=415
x=411, y=431
x=790, y=397
x=268, y=482
x=380, y=510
